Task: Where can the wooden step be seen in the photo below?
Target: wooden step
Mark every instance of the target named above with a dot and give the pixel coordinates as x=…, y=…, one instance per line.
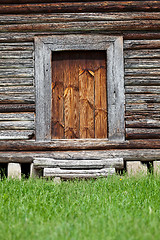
x=80, y=173
x=78, y=168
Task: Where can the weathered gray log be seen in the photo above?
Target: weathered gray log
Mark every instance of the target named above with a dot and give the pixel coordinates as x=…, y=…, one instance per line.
x=17, y=94
x=80, y=164
x=143, y=72
x=57, y=172
x=16, y=134
x=142, y=98
x=143, y=123
x=81, y=7
x=25, y=46
x=141, y=44
x=16, y=54
x=143, y=89
x=138, y=25
x=81, y=155
x=19, y=157
x=29, y=36
x=17, y=125
x=142, y=115
x=44, y=1
x=142, y=64
x=142, y=107
x=144, y=53
x=17, y=72
x=63, y=145
x=75, y=17
x=142, y=80
x=16, y=63
x=142, y=133
x=127, y=154
x=38, y=1
x=17, y=116
x=14, y=98
x=8, y=108
x=6, y=82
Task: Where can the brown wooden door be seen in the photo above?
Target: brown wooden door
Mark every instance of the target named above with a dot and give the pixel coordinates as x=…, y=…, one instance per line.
x=79, y=101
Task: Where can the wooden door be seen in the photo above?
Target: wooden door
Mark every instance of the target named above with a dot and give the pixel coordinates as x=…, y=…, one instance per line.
x=79, y=101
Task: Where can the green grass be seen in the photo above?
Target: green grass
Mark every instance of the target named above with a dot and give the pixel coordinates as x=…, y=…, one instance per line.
x=114, y=208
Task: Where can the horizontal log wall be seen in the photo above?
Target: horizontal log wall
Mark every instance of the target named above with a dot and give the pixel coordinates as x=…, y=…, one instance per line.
x=74, y=6
x=17, y=95
x=142, y=75
x=140, y=30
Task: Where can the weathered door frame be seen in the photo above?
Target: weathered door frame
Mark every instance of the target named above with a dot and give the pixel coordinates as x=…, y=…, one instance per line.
x=113, y=45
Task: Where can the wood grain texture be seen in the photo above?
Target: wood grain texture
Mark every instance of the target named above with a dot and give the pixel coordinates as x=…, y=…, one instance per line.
x=141, y=62
x=86, y=94
x=17, y=46
x=78, y=164
x=113, y=45
x=142, y=98
x=16, y=54
x=16, y=134
x=39, y=1
x=127, y=154
x=141, y=44
x=16, y=125
x=57, y=172
x=77, y=17
x=14, y=98
x=143, y=89
x=57, y=96
x=145, y=53
x=142, y=72
x=142, y=133
x=142, y=81
x=46, y=149
x=9, y=108
x=71, y=94
x=17, y=116
x=7, y=81
x=115, y=90
x=17, y=91
x=108, y=25
x=20, y=72
x=16, y=64
x=29, y=36
x=82, y=77
x=143, y=123
x=100, y=76
x=141, y=65
x=81, y=7
x=43, y=91
x=151, y=108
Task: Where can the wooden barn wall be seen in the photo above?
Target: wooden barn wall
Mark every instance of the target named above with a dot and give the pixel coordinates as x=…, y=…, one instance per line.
x=141, y=55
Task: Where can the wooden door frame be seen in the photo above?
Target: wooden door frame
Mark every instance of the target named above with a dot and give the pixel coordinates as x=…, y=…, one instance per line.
x=113, y=45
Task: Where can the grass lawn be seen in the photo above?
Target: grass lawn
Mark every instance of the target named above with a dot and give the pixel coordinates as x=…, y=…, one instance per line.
x=114, y=208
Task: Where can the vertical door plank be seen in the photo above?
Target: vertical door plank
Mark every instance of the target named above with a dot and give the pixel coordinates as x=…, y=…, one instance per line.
x=57, y=97
x=86, y=94
x=79, y=102
x=71, y=95
x=100, y=97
